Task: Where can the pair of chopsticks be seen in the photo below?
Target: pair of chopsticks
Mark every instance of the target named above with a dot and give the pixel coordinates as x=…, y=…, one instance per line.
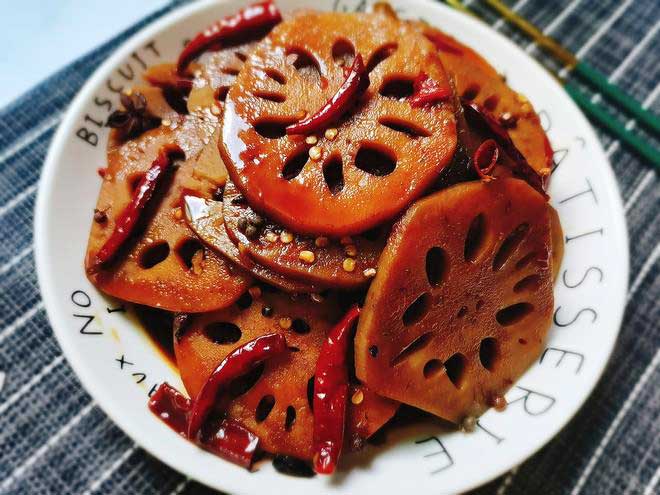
x=590, y=75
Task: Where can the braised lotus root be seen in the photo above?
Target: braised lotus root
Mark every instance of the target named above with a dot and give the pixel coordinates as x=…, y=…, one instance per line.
x=459, y=311
x=377, y=158
x=478, y=81
x=165, y=265
x=205, y=218
x=274, y=400
x=319, y=261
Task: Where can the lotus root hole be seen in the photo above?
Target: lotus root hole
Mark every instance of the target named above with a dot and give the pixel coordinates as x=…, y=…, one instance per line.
x=513, y=314
x=244, y=383
x=300, y=326
x=437, y=266
x=272, y=127
x=290, y=418
x=488, y=353
x=380, y=55
x=528, y=284
x=295, y=163
x=471, y=92
x=222, y=332
x=221, y=93
x=401, y=125
x=525, y=260
x=415, y=346
x=276, y=75
x=455, y=367
x=398, y=87
x=153, y=254
x=189, y=251
x=264, y=408
x=417, y=310
x=491, y=102
x=375, y=159
x=310, y=393
x=432, y=368
x=509, y=246
x=304, y=62
x=273, y=96
x=333, y=173
x=343, y=52
x=245, y=301
x=475, y=239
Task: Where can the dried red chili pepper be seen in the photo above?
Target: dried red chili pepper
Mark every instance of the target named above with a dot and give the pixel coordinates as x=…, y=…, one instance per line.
x=428, y=91
x=443, y=42
x=172, y=407
x=482, y=120
x=233, y=442
x=128, y=219
x=255, y=18
x=355, y=84
x=330, y=394
x=237, y=363
x=485, y=158
x=229, y=439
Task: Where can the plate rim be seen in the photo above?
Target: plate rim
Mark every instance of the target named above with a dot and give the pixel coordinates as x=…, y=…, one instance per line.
x=105, y=400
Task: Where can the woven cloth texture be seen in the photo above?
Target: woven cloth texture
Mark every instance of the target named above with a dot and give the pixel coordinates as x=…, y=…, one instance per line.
x=54, y=439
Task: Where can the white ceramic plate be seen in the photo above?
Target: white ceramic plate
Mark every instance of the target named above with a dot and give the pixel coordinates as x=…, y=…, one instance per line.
x=590, y=292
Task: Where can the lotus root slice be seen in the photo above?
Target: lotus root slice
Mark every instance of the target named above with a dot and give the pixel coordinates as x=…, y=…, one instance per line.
x=462, y=300
x=376, y=160
x=274, y=401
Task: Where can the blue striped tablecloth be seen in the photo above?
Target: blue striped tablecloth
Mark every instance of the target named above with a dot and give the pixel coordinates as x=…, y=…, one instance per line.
x=55, y=440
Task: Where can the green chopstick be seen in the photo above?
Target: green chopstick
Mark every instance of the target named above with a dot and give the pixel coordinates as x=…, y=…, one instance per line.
x=595, y=111
x=612, y=124
x=580, y=68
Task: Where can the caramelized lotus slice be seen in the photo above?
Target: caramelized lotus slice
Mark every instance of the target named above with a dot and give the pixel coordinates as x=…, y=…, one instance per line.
x=205, y=218
x=376, y=160
x=274, y=401
x=478, y=81
x=289, y=254
x=165, y=265
x=462, y=300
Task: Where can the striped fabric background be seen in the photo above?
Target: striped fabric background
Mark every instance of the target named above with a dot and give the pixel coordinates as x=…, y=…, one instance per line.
x=55, y=440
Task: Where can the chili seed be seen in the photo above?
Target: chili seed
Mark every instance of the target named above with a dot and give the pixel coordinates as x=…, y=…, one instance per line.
x=311, y=140
x=499, y=403
x=369, y=272
x=315, y=153
x=285, y=322
x=331, y=133
x=286, y=237
x=350, y=250
x=267, y=311
x=321, y=242
x=178, y=214
x=166, y=122
x=100, y=216
x=348, y=264
x=307, y=257
x=271, y=236
x=358, y=397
